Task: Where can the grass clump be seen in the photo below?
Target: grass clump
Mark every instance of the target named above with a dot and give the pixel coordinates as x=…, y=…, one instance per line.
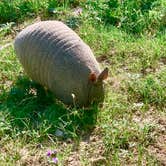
x=136, y=17
x=132, y=16
x=18, y=10
x=13, y=10
x=149, y=90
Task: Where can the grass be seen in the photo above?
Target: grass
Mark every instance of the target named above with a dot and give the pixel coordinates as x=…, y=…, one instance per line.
x=130, y=127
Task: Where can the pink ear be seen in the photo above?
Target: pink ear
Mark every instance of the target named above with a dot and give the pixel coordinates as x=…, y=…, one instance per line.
x=103, y=75
x=92, y=77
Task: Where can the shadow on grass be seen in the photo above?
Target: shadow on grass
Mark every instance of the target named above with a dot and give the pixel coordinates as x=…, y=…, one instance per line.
x=33, y=109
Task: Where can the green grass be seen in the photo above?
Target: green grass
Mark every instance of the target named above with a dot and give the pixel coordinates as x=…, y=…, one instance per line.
x=127, y=130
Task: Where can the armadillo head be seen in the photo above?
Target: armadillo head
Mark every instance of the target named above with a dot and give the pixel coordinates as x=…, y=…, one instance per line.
x=96, y=90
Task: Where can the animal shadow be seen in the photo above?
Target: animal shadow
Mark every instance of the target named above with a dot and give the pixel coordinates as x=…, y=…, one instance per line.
x=34, y=108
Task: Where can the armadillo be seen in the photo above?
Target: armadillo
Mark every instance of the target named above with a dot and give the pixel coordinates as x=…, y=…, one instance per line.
x=54, y=56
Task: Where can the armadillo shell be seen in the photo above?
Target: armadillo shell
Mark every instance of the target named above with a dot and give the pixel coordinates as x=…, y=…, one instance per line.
x=54, y=55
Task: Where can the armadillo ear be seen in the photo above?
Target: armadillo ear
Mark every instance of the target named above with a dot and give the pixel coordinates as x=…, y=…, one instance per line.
x=103, y=75
x=92, y=77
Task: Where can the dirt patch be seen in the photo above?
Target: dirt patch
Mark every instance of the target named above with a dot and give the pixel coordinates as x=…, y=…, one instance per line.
x=73, y=159
x=115, y=82
x=103, y=59
x=158, y=148
x=163, y=60
x=32, y=161
x=28, y=158
x=90, y=152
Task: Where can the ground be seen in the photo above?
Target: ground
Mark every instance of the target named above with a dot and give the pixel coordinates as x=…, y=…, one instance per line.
x=130, y=127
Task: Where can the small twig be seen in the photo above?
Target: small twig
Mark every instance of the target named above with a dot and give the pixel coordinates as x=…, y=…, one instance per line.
x=5, y=46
